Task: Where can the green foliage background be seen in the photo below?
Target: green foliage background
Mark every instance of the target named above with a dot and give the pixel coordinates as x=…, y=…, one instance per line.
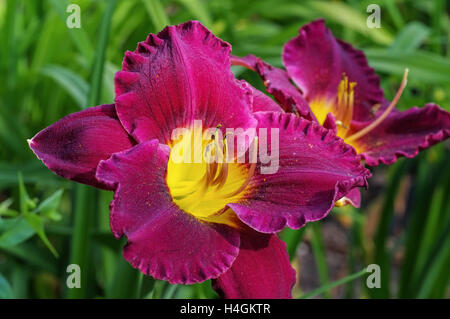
x=48, y=71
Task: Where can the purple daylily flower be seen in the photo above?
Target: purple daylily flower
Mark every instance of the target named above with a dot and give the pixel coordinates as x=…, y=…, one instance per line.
x=189, y=222
x=339, y=90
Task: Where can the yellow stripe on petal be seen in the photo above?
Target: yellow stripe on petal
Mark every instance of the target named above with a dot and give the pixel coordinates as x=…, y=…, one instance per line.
x=321, y=106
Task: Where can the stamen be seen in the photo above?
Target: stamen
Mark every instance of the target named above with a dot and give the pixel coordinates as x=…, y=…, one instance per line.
x=251, y=171
x=343, y=109
x=217, y=172
x=210, y=179
x=223, y=173
x=383, y=116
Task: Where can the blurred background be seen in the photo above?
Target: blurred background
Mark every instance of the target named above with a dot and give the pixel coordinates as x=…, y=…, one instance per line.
x=48, y=71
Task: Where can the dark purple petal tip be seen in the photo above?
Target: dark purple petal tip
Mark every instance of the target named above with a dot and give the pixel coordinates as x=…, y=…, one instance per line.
x=403, y=134
x=73, y=146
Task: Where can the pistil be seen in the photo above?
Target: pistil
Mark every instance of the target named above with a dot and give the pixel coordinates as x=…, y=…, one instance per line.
x=383, y=116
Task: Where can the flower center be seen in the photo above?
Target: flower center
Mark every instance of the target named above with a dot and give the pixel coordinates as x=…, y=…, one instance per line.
x=342, y=109
x=341, y=106
x=204, y=186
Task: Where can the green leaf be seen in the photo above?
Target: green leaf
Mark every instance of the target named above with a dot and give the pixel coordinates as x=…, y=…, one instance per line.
x=198, y=9
x=423, y=66
x=410, y=38
x=156, y=12
x=37, y=223
x=382, y=256
x=4, y=208
x=319, y=254
x=328, y=287
x=49, y=207
x=350, y=18
x=79, y=36
x=125, y=283
x=84, y=196
x=71, y=82
x=17, y=230
x=6, y=291
x=292, y=238
x=425, y=180
x=96, y=80
x=31, y=255
x=439, y=262
x=394, y=12
x=24, y=199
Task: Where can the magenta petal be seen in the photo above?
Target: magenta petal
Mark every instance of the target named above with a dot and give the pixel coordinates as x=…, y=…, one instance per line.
x=73, y=146
x=163, y=241
x=180, y=75
x=260, y=271
x=330, y=123
x=403, y=134
x=278, y=84
x=353, y=197
x=316, y=169
x=263, y=103
x=315, y=60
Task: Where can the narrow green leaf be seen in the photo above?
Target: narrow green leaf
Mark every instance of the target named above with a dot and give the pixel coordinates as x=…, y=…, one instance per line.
x=292, y=238
x=319, y=255
x=18, y=230
x=95, y=89
x=84, y=197
x=423, y=66
x=37, y=223
x=125, y=283
x=79, y=35
x=49, y=207
x=439, y=6
x=6, y=291
x=394, y=12
x=24, y=199
x=381, y=255
x=156, y=12
x=170, y=291
x=328, y=287
x=71, y=82
x=430, y=229
x=440, y=262
x=198, y=9
x=32, y=255
x=4, y=208
x=351, y=18
x=410, y=38
x=425, y=182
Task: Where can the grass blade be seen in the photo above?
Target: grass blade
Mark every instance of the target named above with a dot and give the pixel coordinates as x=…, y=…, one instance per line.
x=157, y=14
x=319, y=255
x=410, y=38
x=71, y=82
x=326, y=288
x=83, y=195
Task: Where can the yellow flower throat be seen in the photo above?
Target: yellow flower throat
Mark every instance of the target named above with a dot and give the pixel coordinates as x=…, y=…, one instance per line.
x=204, y=187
